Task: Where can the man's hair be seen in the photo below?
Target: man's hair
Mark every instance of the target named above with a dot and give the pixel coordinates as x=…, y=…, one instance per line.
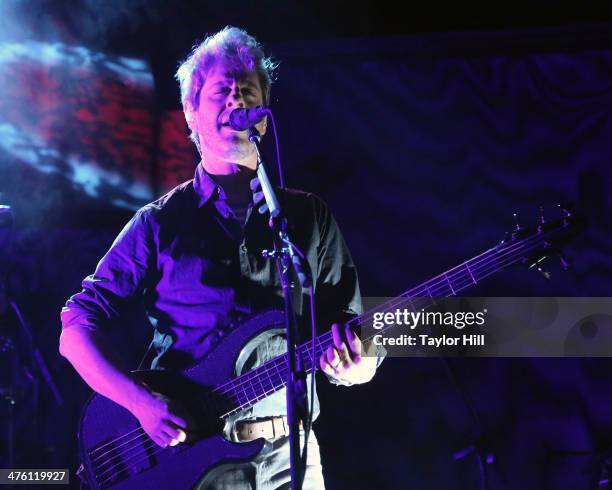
x=232, y=45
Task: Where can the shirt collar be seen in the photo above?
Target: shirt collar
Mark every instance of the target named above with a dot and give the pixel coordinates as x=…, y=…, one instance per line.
x=204, y=185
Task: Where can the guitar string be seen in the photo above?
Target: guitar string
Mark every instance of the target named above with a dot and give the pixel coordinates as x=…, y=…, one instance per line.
x=492, y=255
x=148, y=451
x=460, y=270
x=236, y=383
x=413, y=296
x=497, y=265
x=232, y=383
x=145, y=454
x=487, y=272
x=415, y=293
x=452, y=272
x=124, y=457
x=433, y=286
x=127, y=434
x=120, y=445
x=483, y=274
x=500, y=265
x=102, y=456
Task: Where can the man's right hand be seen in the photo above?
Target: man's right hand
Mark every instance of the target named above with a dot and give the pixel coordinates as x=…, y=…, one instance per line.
x=95, y=360
x=160, y=419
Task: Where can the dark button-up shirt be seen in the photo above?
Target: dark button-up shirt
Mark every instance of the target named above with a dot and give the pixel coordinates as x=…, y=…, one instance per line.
x=200, y=271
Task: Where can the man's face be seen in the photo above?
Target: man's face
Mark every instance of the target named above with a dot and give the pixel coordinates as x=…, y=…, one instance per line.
x=225, y=90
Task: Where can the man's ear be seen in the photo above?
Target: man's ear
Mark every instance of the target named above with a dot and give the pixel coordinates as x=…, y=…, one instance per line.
x=189, y=112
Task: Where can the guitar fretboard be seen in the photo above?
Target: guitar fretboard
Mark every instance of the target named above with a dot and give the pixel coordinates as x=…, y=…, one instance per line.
x=244, y=391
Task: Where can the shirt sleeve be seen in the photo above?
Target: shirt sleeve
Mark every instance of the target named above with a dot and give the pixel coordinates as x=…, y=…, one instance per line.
x=122, y=274
x=337, y=286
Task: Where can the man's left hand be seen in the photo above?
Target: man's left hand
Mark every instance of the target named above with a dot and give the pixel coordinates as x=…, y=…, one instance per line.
x=344, y=361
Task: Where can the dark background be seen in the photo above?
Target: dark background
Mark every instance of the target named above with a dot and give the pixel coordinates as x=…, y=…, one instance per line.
x=424, y=127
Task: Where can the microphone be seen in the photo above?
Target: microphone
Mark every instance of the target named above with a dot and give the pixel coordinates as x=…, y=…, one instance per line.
x=241, y=119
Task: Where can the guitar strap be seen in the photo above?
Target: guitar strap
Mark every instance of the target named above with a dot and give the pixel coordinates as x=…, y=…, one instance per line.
x=147, y=358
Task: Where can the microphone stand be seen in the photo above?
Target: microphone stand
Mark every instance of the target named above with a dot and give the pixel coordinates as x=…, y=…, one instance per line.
x=286, y=258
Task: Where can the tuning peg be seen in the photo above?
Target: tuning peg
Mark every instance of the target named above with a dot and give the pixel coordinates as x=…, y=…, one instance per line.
x=538, y=267
x=564, y=263
x=546, y=274
x=517, y=226
x=566, y=213
x=542, y=220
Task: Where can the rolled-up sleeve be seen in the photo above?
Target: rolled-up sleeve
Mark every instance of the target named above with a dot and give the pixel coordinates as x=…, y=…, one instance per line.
x=122, y=274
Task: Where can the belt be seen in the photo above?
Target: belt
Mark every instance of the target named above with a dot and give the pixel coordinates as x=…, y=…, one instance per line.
x=269, y=428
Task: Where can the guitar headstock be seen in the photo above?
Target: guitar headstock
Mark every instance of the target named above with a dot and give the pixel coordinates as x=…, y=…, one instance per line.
x=537, y=243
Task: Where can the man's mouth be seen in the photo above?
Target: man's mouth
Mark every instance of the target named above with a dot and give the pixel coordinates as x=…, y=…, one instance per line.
x=226, y=124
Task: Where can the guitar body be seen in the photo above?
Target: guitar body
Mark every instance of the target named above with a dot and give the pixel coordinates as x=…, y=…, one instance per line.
x=117, y=454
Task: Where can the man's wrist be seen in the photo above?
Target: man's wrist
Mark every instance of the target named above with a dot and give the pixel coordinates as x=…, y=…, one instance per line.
x=139, y=395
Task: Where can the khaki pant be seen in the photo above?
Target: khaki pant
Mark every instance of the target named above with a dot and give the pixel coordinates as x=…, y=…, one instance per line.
x=269, y=471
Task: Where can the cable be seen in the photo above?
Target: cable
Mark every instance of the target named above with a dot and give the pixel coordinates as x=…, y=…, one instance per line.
x=281, y=177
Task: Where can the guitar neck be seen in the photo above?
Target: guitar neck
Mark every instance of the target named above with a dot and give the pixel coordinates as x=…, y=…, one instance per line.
x=244, y=391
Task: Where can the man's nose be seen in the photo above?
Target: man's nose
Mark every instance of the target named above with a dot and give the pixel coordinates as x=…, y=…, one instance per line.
x=235, y=98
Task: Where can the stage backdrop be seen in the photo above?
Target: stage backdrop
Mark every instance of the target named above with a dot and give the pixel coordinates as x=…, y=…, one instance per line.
x=423, y=147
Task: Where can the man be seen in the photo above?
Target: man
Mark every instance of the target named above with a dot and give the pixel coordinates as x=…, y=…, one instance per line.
x=195, y=255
